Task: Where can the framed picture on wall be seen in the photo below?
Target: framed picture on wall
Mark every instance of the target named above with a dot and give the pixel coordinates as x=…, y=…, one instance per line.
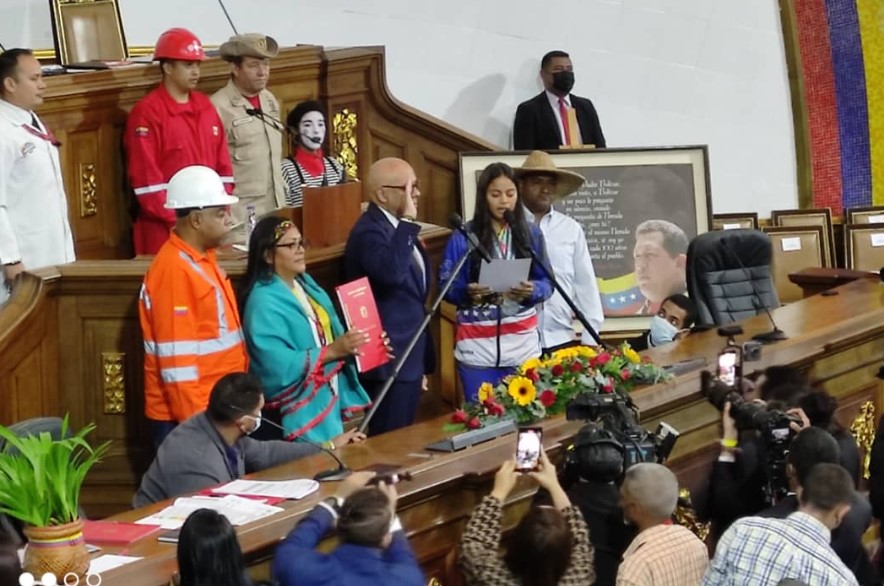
x=639, y=208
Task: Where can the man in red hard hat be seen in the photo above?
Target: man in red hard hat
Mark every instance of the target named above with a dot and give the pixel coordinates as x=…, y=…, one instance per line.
x=172, y=127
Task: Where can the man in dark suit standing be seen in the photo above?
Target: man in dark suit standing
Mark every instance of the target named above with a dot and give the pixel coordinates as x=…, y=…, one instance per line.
x=541, y=122
x=384, y=247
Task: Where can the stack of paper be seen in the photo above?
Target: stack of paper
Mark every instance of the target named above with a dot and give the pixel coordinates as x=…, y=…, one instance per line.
x=284, y=489
x=238, y=511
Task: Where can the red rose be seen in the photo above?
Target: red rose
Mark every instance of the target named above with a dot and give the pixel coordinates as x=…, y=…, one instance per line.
x=495, y=409
x=602, y=358
x=576, y=366
x=547, y=398
x=625, y=374
x=557, y=370
x=459, y=416
x=474, y=423
x=532, y=375
x=608, y=387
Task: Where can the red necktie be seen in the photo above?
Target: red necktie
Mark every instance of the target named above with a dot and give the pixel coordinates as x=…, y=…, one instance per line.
x=563, y=111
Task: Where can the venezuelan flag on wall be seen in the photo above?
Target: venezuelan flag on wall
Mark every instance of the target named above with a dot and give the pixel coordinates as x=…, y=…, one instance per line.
x=841, y=46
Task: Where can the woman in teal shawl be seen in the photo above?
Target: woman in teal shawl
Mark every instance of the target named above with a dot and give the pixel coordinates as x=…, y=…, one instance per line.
x=296, y=343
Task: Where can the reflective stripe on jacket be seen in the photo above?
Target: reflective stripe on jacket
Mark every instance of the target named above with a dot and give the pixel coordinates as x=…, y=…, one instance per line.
x=191, y=328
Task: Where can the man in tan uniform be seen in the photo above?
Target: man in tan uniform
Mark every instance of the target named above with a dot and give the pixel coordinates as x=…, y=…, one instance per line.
x=255, y=144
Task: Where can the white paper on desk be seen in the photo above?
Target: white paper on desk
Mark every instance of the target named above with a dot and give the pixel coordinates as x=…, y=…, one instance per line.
x=238, y=511
x=107, y=562
x=284, y=489
x=502, y=275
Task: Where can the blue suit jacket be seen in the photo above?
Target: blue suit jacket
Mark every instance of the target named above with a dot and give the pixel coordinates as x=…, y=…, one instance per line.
x=384, y=254
x=297, y=562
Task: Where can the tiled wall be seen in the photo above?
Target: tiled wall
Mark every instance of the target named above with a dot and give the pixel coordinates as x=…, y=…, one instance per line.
x=660, y=72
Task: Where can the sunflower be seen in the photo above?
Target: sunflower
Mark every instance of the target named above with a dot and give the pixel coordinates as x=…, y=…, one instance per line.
x=530, y=364
x=586, y=352
x=522, y=390
x=486, y=391
x=631, y=355
x=565, y=353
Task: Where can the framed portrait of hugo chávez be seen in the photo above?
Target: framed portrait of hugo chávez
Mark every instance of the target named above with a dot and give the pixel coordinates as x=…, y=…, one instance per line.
x=639, y=208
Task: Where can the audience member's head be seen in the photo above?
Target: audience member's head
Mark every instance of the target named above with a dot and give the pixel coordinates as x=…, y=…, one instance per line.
x=21, y=79
x=236, y=402
x=389, y=182
x=539, y=548
x=497, y=193
x=276, y=246
x=557, y=73
x=308, y=120
x=180, y=53
x=810, y=447
x=365, y=518
x=827, y=494
x=660, y=257
x=648, y=495
x=202, y=206
x=249, y=57
x=208, y=552
x=677, y=314
x=820, y=407
x=10, y=568
x=780, y=382
x=541, y=183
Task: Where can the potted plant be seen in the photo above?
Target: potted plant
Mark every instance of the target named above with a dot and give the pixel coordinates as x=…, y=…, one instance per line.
x=40, y=481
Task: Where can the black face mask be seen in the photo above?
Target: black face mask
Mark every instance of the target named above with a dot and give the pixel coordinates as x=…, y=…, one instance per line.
x=563, y=81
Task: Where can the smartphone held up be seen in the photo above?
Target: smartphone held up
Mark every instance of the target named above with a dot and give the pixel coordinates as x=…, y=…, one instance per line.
x=528, y=446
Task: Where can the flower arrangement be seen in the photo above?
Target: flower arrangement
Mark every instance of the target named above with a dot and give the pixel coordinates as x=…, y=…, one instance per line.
x=543, y=387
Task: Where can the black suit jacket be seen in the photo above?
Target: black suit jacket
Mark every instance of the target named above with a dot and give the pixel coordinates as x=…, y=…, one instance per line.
x=535, y=127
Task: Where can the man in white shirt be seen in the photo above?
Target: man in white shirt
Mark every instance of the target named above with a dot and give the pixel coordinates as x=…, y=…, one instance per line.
x=34, y=227
x=541, y=183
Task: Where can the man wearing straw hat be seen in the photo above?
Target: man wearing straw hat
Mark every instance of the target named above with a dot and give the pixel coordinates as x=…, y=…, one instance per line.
x=248, y=111
x=541, y=184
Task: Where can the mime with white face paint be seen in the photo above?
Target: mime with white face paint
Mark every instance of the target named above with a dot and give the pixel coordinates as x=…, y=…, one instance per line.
x=308, y=164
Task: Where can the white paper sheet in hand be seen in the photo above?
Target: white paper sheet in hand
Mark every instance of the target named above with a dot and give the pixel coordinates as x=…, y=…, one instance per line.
x=502, y=275
x=238, y=511
x=284, y=489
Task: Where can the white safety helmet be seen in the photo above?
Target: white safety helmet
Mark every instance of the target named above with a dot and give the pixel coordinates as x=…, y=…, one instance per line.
x=197, y=187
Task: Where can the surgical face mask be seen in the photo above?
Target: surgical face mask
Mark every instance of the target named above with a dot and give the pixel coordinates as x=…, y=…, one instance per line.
x=662, y=332
x=563, y=81
x=257, y=424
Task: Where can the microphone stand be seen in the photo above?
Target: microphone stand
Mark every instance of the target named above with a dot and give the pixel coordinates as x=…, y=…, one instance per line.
x=400, y=362
x=549, y=275
x=331, y=475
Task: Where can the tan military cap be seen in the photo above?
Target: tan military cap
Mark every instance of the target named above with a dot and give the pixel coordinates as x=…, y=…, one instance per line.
x=249, y=45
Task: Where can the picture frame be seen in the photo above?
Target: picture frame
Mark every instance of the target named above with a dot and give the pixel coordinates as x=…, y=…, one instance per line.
x=625, y=187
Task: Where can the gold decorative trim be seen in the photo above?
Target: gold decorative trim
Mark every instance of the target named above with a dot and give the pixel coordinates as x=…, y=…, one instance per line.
x=114, y=382
x=88, y=190
x=863, y=430
x=434, y=582
x=345, y=144
x=686, y=516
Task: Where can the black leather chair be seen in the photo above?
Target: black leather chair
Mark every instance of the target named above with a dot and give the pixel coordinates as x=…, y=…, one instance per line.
x=729, y=275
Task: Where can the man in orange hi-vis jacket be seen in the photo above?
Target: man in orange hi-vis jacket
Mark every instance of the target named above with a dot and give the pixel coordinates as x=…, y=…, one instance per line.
x=172, y=127
x=189, y=320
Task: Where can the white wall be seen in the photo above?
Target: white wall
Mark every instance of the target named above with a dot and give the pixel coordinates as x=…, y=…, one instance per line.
x=660, y=72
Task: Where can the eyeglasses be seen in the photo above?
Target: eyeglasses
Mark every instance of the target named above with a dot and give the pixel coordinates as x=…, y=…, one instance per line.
x=414, y=186
x=294, y=244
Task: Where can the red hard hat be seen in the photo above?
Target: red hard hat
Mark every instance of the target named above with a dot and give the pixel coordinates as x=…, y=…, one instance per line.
x=179, y=44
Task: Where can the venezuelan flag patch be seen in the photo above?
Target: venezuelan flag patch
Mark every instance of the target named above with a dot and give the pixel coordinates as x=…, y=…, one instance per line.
x=181, y=310
x=141, y=131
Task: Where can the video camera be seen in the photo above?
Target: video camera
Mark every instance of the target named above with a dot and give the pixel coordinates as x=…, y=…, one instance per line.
x=773, y=425
x=613, y=425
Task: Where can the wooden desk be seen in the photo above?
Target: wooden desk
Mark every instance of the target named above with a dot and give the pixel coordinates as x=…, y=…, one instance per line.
x=818, y=279
x=839, y=340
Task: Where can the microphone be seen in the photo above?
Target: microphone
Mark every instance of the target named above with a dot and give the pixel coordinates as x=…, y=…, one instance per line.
x=269, y=120
x=456, y=222
x=776, y=333
x=526, y=248
x=331, y=475
x=224, y=8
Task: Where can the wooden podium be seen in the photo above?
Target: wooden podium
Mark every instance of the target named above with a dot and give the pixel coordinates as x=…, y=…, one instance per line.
x=329, y=213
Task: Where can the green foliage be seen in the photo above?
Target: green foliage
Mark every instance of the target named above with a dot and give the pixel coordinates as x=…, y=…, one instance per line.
x=40, y=478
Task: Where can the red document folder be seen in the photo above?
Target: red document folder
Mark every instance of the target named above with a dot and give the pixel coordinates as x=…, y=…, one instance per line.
x=115, y=532
x=361, y=312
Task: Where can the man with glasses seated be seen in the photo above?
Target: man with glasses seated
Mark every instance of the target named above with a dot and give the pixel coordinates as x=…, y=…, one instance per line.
x=384, y=247
x=297, y=345
x=213, y=446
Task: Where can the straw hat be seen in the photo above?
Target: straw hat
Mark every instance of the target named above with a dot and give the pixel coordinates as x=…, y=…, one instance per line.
x=249, y=45
x=539, y=162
